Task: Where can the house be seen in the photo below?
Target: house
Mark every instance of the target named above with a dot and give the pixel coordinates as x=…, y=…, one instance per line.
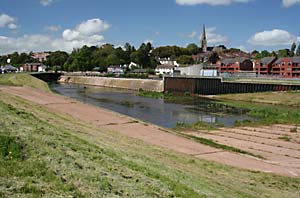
x=165, y=69
x=33, y=67
x=234, y=65
x=264, y=66
x=115, y=69
x=8, y=69
x=287, y=67
x=167, y=61
x=41, y=56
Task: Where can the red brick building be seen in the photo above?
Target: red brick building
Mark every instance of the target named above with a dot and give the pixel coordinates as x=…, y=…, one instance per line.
x=263, y=66
x=41, y=56
x=234, y=65
x=33, y=67
x=287, y=67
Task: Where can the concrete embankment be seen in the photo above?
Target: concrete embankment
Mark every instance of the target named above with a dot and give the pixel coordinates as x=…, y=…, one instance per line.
x=125, y=83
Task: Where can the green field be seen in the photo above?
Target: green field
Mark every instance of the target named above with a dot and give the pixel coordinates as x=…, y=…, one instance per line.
x=286, y=98
x=51, y=155
x=23, y=79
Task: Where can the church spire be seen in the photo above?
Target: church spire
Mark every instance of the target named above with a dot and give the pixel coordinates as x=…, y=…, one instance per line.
x=203, y=40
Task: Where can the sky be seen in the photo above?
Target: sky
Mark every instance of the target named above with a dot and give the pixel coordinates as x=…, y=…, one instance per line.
x=49, y=25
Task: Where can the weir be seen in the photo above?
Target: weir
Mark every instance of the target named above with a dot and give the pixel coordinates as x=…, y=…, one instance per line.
x=215, y=86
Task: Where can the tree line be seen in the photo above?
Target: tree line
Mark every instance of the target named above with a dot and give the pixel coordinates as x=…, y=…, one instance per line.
x=87, y=58
x=280, y=53
x=146, y=56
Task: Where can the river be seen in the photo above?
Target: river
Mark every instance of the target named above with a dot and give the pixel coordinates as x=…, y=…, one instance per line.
x=156, y=111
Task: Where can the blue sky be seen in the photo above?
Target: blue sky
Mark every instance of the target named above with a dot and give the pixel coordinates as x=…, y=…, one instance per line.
x=38, y=25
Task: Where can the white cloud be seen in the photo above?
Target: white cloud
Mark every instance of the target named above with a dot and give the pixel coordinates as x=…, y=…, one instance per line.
x=7, y=21
x=193, y=34
x=289, y=3
x=87, y=28
x=214, y=38
x=71, y=38
x=92, y=26
x=46, y=2
x=210, y=2
x=273, y=38
x=52, y=28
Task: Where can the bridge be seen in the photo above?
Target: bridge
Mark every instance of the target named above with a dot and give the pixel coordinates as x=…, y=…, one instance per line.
x=47, y=76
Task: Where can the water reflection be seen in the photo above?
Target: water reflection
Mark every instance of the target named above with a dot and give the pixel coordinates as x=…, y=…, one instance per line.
x=155, y=111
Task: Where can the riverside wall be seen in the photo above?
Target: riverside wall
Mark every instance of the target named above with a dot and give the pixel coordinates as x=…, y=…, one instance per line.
x=124, y=83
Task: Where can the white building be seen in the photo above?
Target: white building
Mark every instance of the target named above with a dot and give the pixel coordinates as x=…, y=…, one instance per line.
x=167, y=61
x=165, y=69
x=192, y=70
x=198, y=70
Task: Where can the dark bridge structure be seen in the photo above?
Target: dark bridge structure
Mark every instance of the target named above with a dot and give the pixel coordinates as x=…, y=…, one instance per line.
x=215, y=86
x=47, y=76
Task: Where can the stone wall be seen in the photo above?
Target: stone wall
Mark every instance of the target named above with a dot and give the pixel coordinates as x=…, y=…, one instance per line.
x=125, y=83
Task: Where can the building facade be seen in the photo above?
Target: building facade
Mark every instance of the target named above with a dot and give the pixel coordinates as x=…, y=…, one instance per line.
x=40, y=56
x=165, y=69
x=263, y=66
x=33, y=67
x=287, y=67
x=234, y=65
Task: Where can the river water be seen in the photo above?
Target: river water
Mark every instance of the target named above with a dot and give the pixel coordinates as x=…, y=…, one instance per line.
x=156, y=111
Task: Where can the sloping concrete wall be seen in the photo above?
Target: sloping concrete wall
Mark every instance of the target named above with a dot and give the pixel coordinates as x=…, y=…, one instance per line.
x=125, y=83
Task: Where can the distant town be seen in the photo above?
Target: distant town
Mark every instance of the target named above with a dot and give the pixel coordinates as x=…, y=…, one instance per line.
x=191, y=60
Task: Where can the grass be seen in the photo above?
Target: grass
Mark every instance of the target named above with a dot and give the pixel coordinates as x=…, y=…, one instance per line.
x=265, y=114
x=10, y=148
x=197, y=126
x=285, y=138
x=264, y=80
x=287, y=98
x=152, y=94
x=22, y=79
x=64, y=157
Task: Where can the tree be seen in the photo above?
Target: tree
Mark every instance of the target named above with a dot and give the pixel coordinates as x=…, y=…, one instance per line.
x=232, y=50
x=283, y=53
x=57, y=58
x=185, y=60
x=193, y=48
x=255, y=52
x=213, y=58
x=112, y=59
x=293, y=48
x=298, y=51
x=265, y=53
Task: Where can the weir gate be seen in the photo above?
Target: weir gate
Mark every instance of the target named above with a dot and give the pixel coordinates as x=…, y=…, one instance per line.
x=215, y=86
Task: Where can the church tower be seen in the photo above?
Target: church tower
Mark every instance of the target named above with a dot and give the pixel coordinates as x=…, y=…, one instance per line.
x=203, y=40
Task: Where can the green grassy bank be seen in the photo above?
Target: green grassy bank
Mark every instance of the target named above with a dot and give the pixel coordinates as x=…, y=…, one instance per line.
x=23, y=79
x=286, y=98
x=47, y=154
